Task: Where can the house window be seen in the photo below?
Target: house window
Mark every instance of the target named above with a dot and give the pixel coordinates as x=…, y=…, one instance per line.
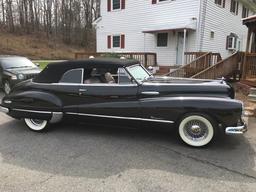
x=232, y=42
x=162, y=39
x=116, y=4
x=159, y=1
x=116, y=41
x=234, y=7
x=220, y=3
x=212, y=35
x=245, y=12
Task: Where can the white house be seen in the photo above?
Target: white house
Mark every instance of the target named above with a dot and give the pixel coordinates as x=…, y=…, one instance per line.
x=172, y=27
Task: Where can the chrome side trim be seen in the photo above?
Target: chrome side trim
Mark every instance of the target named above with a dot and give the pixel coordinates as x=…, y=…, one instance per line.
x=4, y=110
x=150, y=93
x=119, y=117
x=56, y=117
x=32, y=111
x=236, y=130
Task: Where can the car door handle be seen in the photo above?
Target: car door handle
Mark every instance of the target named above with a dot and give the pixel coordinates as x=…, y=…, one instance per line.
x=150, y=93
x=81, y=91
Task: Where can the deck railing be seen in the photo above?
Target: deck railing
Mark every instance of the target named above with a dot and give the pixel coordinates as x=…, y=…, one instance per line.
x=191, y=56
x=223, y=68
x=202, y=62
x=145, y=58
x=250, y=65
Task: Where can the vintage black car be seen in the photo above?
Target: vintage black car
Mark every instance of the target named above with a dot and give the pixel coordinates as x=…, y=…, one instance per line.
x=121, y=90
x=14, y=69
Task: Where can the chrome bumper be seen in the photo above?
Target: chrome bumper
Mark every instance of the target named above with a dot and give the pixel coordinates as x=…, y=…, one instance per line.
x=236, y=130
x=4, y=109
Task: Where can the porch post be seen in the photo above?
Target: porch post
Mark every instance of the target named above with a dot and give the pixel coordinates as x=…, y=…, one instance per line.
x=246, y=51
x=184, y=46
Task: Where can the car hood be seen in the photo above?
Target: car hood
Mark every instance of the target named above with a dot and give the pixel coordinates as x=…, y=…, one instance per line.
x=24, y=71
x=174, y=80
x=188, y=87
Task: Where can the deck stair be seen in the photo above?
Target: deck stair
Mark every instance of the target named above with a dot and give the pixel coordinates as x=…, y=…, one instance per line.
x=228, y=68
x=196, y=66
x=252, y=95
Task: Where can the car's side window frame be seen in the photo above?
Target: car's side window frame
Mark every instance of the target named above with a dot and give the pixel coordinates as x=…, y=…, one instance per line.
x=82, y=76
x=134, y=82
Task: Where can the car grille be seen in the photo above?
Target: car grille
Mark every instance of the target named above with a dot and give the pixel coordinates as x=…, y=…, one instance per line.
x=30, y=76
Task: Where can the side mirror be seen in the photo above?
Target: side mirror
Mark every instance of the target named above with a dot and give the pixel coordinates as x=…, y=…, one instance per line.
x=151, y=69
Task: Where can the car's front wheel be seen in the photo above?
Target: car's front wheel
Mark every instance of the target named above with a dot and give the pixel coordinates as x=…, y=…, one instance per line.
x=37, y=125
x=7, y=87
x=196, y=130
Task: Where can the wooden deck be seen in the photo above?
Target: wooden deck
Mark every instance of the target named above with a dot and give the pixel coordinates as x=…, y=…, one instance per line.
x=202, y=62
x=250, y=82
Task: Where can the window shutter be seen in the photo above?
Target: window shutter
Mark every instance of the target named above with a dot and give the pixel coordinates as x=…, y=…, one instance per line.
x=122, y=41
x=154, y=1
x=109, y=41
x=224, y=3
x=227, y=42
x=109, y=5
x=122, y=4
x=237, y=7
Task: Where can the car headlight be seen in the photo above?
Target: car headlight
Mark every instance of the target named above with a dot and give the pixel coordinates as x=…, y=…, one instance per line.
x=14, y=77
x=21, y=76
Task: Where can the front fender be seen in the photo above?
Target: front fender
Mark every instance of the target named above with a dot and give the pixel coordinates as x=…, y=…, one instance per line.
x=224, y=110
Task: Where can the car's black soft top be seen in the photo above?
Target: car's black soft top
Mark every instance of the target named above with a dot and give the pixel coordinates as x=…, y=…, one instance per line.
x=54, y=71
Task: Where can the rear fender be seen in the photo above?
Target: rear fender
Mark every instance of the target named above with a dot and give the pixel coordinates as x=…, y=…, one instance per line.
x=34, y=100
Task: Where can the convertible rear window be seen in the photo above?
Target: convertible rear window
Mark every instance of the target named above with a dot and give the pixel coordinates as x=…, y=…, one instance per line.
x=72, y=76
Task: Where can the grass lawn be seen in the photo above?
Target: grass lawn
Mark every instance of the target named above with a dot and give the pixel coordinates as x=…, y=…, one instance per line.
x=44, y=63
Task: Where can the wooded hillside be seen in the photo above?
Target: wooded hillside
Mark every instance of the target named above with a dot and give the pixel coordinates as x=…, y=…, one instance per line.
x=69, y=21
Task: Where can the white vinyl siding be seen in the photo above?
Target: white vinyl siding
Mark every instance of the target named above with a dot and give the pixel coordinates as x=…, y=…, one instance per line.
x=140, y=14
x=223, y=23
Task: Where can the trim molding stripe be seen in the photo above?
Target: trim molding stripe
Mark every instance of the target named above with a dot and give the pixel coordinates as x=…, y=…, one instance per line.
x=119, y=117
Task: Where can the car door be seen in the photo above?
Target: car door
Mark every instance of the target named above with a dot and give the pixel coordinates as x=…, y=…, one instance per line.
x=67, y=89
x=112, y=101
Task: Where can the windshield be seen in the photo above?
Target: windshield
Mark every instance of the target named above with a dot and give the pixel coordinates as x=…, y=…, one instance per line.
x=138, y=73
x=11, y=63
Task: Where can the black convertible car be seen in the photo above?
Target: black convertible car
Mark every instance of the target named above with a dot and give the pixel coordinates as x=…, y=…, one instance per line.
x=117, y=90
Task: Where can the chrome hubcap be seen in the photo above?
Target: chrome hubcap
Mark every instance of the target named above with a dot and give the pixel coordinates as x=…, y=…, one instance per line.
x=196, y=130
x=37, y=122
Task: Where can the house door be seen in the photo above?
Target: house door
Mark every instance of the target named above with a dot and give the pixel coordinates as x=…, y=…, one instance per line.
x=180, y=48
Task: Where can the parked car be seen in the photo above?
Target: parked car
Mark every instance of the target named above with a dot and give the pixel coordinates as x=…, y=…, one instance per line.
x=119, y=90
x=14, y=69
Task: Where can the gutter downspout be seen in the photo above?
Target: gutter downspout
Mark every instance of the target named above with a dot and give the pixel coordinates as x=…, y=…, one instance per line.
x=184, y=46
x=202, y=13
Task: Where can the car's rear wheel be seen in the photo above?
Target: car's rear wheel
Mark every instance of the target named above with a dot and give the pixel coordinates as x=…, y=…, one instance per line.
x=37, y=125
x=196, y=130
x=7, y=87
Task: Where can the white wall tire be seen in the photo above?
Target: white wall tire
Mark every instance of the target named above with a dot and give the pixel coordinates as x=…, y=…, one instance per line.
x=36, y=124
x=196, y=130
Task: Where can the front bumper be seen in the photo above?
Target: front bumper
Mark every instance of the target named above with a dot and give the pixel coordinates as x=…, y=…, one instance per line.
x=236, y=130
x=4, y=110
